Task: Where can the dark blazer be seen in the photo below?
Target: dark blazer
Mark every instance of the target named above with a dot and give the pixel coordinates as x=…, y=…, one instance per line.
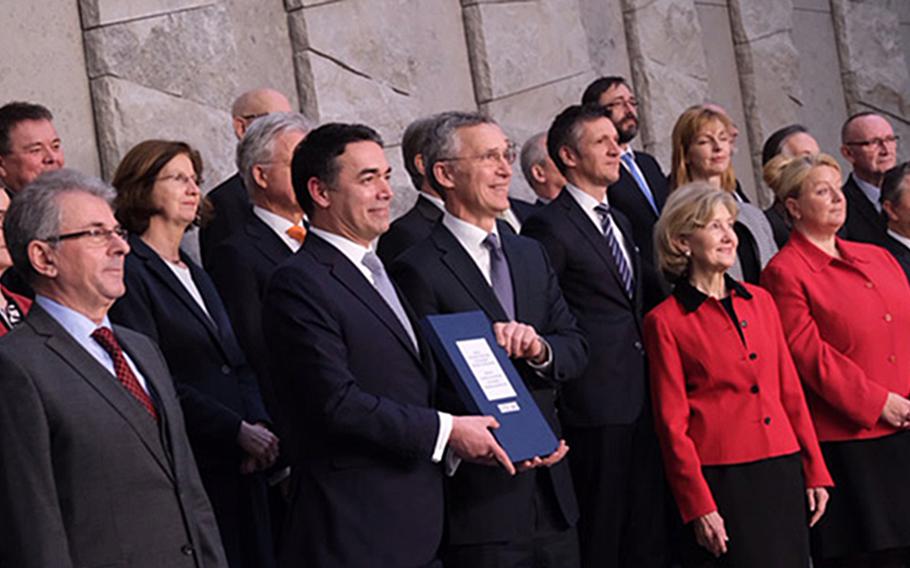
x=216, y=386
x=232, y=203
x=483, y=503
x=410, y=228
x=864, y=223
x=522, y=209
x=900, y=252
x=89, y=480
x=240, y=267
x=612, y=388
x=364, y=491
x=626, y=196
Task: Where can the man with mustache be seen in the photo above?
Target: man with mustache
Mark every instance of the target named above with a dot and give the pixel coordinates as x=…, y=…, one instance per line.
x=641, y=190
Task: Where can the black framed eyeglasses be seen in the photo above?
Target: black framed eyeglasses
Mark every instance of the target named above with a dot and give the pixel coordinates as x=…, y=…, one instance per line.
x=876, y=142
x=95, y=235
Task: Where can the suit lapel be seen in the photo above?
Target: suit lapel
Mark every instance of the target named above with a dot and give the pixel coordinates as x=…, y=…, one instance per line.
x=428, y=210
x=466, y=272
x=266, y=241
x=351, y=278
x=862, y=203
x=102, y=381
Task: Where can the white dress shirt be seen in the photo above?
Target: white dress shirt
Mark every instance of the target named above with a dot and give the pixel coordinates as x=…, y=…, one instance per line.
x=279, y=225
x=355, y=252
x=871, y=192
x=899, y=238
x=587, y=204
x=185, y=277
x=81, y=329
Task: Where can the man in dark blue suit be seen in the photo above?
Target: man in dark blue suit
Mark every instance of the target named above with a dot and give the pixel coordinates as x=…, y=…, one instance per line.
x=366, y=489
x=641, y=189
x=539, y=171
x=615, y=459
x=472, y=262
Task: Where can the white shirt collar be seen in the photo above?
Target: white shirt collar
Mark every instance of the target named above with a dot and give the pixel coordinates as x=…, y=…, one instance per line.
x=438, y=202
x=279, y=225
x=351, y=250
x=871, y=192
x=587, y=203
x=899, y=238
x=471, y=238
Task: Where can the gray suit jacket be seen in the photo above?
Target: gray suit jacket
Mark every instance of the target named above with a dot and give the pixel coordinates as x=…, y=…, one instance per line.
x=88, y=478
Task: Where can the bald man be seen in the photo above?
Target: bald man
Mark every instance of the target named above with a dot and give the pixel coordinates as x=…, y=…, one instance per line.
x=230, y=199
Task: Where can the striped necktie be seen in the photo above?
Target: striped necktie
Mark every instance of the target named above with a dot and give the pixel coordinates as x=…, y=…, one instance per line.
x=606, y=224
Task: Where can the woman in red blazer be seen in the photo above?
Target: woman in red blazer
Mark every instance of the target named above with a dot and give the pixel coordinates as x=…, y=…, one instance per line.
x=845, y=308
x=740, y=451
x=13, y=307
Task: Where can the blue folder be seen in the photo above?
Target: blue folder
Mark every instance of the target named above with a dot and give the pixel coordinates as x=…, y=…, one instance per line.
x=523, y=432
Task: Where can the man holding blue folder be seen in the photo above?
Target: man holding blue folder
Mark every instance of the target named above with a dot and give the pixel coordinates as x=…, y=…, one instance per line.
x=470, y=263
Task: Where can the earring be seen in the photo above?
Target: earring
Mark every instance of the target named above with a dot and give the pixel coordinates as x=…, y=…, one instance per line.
x=687, y=253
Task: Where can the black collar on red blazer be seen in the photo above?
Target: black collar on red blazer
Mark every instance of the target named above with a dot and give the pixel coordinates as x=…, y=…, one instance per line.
x=218, y=326
x=596, y=239
x=349, y=276
x=466, y=272
x=81, y=361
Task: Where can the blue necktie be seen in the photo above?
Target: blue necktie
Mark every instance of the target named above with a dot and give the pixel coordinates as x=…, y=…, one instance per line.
x=500, y=277
x=629, y=161
x=606, y=223
x=385, y=288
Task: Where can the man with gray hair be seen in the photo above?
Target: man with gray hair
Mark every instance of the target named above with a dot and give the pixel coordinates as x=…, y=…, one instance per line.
x=416, y=224
x=230, y=199
x=539, y=170
x=274, y=230
x=97, y=466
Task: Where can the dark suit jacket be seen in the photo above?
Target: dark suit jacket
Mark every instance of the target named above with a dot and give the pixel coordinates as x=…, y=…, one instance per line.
x=364, y=491
x=216, y=386
x=864, y=222
x=613, y=388
x=483, y=503
x=232, y=203
x=626, y=196
x=523, y=210
x=409, y=229
x=240, y=267
x=89, y=480
x=900, y=252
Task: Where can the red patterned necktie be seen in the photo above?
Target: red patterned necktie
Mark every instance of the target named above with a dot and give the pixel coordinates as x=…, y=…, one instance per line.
x=105, y=337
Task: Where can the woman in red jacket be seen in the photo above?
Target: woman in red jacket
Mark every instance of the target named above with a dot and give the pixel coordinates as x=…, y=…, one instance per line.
x=13, y=307
x=740, y=451
x=845, y=308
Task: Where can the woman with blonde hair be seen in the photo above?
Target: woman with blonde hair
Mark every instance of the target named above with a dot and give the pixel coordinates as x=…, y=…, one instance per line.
x=703, y=151
x=741, y=455
x=845, y=312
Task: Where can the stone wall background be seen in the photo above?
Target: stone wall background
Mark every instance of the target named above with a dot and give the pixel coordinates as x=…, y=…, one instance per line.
x=119, y=71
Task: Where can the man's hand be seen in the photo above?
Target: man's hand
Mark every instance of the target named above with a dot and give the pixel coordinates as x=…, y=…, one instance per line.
x=547, y=461
x=472, y=441
x=259, y=443
x=520, y=341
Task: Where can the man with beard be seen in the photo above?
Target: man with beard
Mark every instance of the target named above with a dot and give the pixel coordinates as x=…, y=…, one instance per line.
x=641, y=190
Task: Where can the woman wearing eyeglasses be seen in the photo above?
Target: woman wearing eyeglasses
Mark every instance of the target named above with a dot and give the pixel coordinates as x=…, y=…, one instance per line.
x=13, y=307
x=169, y=298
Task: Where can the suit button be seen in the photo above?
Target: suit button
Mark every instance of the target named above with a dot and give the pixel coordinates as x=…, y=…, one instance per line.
x=187, y=550
x=638, y=345
x=888, y=317
x=892, y=358
x=767, y=420
x=743, y=323
x=225, y=369
x=754, y=389
x=753, y=356
x=870, y=285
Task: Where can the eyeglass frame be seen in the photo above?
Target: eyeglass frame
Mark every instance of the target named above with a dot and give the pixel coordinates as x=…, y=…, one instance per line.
x=510, y=156
x=182, y=179
x=94, y=233
x=875, y=142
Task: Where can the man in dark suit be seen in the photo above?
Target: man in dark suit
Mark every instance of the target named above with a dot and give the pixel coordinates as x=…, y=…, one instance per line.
x=641, y=190
x=416, y=224
x=896, y=205
x=97, y=467
x=615, y=460
x=230, y=200
x=539, y=171
x=471, y=263
x=366, y=489
x=869, y=144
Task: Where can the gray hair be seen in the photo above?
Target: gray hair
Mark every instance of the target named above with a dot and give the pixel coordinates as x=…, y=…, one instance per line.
x=412, y=143
x=442, y=143
x=258, y=143
x=532, y=153
x=34, y=213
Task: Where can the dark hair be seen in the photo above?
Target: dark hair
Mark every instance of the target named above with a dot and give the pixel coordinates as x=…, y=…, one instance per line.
x=566, y=127
x=315, y=156
x=849, y=121
x=774, y=142
x=135, y=178
x=412, y=143
x=891, y=182
x=599, y=87
x=15, y=112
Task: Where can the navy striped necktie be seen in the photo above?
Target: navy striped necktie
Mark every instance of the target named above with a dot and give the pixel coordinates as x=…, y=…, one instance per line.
x=606, y=224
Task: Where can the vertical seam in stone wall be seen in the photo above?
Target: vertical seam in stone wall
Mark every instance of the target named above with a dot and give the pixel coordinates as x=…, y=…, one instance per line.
x=474, y=40
x=639, y=77
x=91, y=91
x=848, y=80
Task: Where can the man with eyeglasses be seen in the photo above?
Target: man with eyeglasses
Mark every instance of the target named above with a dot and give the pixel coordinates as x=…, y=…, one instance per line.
x=472, y=262
x=868, y=142
x=641, y=190
x=97, y=466
x=230, y=200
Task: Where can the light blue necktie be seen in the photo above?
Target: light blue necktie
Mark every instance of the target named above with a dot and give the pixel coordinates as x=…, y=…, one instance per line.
x=385, y=288
x=500, y=276
x=629, y=160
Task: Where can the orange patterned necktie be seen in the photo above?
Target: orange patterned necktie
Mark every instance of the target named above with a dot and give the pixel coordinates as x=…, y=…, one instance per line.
x=298, y=233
